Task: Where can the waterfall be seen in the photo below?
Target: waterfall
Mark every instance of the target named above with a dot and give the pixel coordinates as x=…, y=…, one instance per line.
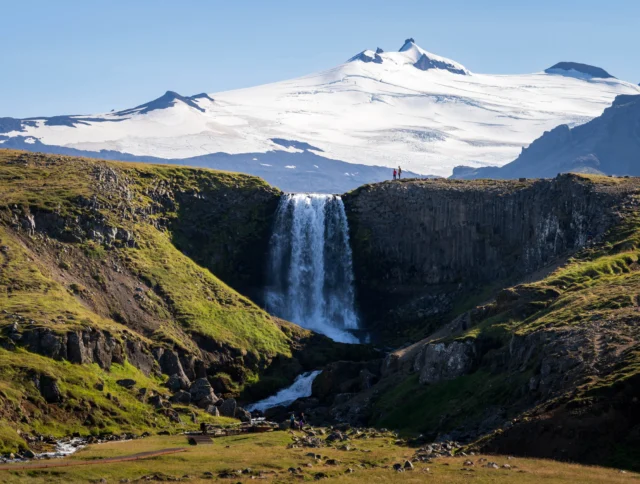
x=301, y=388
x=310, y=276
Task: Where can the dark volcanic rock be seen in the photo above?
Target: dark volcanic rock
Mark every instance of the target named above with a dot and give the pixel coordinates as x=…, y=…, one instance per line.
x=181, y=397
x=228, y=408
x=440, y=361
x=49, y=389
x=126, y=383
x=421, y=245
x=243, y=415
x=344, y=377
x=202, y=392
x=177, y=382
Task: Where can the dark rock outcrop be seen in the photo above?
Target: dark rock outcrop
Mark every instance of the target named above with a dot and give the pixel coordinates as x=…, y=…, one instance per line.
x=82, y=347
x=126, y=383
x=441, y=361
x=344, y=377
x=49, y=389
x=586, y=69
x=425, y=63
x=420, y=246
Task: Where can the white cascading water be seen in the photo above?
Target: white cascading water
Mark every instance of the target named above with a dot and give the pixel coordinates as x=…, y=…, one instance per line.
x=301, y=388
x=310, y=266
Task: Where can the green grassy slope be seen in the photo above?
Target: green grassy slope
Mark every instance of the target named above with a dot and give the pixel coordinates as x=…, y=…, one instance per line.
x=69, y=274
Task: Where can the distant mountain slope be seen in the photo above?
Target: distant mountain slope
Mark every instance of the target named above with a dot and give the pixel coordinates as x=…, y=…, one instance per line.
x=411, y=108
x=609, y=144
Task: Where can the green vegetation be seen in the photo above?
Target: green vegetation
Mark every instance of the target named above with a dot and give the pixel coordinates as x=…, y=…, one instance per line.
x=85, y=409
x=201, y=302
x=27, y=289
x=414, y=408
x=266, y=456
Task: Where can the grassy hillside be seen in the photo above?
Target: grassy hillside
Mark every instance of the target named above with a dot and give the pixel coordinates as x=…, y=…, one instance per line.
x=88, y=252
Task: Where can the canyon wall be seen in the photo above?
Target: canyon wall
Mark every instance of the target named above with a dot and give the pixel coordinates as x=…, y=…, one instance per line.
x=422, y=246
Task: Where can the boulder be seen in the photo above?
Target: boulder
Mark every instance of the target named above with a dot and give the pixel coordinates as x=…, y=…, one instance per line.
x=208, y=400
x=243, y=415
x=228, y=408
x=170, y=364
x=212, y=410
x=126, y=382
x=49, y=389
x=181, y=397
x=177, y=382
x=201, y=390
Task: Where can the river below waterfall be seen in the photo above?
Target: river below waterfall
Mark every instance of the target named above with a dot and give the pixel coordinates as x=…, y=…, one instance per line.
x=301, y=388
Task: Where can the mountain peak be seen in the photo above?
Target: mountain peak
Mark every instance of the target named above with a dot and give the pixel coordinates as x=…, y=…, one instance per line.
x=424, y=60
x=576, y=69
x=165, y=101
x=411, y=54
x=407, y=44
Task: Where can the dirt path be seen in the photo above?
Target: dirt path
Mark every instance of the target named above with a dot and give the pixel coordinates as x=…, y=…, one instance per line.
x=71, y=463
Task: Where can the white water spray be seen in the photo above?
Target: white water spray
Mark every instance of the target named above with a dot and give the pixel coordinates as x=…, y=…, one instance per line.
x=301, y=388
x=310, y=272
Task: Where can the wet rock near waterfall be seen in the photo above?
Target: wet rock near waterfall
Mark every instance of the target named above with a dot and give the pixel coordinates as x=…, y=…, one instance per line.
x=345, y=377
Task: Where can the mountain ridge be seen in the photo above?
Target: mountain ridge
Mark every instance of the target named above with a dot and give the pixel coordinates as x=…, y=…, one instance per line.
x=409, y=107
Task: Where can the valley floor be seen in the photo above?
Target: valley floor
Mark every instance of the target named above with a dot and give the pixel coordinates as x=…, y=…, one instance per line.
x=268, y=457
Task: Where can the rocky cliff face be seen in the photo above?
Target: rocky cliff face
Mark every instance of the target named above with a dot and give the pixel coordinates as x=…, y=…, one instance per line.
x=420, y=247
x=546, y=367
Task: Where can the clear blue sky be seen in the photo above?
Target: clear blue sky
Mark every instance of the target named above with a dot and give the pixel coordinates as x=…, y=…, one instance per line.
x=87, y=56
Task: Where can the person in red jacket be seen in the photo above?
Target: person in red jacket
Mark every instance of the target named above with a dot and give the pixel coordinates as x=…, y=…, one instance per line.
x=395, y=173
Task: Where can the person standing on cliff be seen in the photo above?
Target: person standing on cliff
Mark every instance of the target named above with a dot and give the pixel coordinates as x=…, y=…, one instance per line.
x=395, y=173
x=399, y=173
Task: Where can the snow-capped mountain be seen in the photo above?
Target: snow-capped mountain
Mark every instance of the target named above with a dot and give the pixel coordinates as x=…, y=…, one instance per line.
x=410, y=108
